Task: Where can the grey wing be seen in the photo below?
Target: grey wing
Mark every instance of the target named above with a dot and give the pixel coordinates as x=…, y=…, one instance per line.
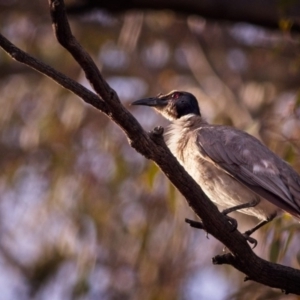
x=253, y=164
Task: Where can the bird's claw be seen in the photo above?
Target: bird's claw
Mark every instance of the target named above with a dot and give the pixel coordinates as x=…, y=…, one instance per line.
x=250, y=239
x=233, y=223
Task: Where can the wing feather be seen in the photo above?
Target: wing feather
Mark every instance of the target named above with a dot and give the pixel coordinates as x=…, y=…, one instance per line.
x=246, y=159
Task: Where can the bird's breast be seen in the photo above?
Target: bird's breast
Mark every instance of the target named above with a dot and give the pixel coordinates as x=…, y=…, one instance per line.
x=220, y=187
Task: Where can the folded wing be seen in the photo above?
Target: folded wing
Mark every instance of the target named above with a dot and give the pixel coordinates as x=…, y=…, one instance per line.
x=250, y=162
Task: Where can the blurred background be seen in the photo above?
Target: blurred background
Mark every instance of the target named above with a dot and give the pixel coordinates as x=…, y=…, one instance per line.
x=82, y=215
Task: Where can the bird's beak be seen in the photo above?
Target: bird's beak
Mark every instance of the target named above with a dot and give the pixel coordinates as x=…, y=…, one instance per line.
x=154, y=101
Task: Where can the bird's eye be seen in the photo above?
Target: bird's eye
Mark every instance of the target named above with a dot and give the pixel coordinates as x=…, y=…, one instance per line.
x=175, y=96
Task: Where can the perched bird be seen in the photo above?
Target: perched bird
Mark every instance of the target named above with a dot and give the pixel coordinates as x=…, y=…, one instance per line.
x=234, y=169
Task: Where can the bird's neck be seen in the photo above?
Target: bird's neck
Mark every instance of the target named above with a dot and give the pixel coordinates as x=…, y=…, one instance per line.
x=178, y=134
x=190, y=121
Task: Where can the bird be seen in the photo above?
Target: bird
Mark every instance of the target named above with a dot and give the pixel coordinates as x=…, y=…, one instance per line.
x=233, y=168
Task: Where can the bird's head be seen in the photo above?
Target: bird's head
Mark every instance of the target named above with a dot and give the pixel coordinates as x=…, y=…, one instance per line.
x=173, y=105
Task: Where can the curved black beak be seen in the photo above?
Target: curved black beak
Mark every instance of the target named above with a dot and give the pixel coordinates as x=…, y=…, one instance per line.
x=154, y=101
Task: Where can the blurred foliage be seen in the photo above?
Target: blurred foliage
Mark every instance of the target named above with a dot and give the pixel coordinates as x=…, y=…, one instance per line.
x=83, y=216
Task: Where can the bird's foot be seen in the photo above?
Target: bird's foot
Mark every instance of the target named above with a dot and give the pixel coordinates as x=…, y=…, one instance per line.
x=233, y=222
x=250, y=239
x=255, y=228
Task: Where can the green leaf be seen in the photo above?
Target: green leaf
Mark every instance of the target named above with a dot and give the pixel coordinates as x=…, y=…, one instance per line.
x=287, y=243
x=275, y=250
x=151, y=174
x=171, y=200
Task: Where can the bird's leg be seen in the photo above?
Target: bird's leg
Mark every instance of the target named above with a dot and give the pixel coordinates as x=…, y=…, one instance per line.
x=259, y=225
x=197, y=224
x=229, y=210
x=249, y=232
x=240, y=206
x=256, y=227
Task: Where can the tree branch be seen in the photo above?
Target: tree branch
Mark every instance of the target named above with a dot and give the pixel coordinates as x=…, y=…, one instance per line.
x=69, y=84
x=152, y=146
x=266, y=13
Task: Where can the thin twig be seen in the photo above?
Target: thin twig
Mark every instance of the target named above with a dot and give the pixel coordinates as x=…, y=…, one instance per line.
x=68, y=83
x=65, y=37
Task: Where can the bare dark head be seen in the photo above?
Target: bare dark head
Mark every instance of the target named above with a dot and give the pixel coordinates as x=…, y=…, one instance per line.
x=173, y=105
